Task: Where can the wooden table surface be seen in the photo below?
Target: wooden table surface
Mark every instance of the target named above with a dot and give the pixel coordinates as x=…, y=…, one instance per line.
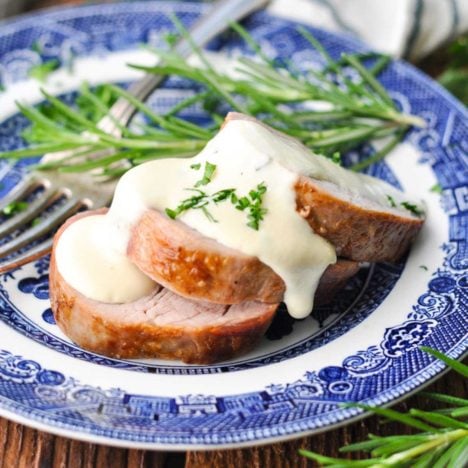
x=23, y=447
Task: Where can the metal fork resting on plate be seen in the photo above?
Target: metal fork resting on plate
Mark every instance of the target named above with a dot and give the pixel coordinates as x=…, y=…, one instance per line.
x=78, y=189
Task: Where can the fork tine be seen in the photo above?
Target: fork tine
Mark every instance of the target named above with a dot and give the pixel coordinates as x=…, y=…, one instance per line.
x=36, y=252
x=52, y=221
x=32, y=211
x=20, y=190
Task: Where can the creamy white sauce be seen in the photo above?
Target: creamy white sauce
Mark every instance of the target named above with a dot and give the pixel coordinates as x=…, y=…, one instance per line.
x=246, y=154
x=90, y=258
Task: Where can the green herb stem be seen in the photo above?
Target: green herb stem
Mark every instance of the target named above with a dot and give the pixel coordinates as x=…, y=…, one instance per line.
x=379, y=155
x=360, y=109
x=436, y=441
x=442, y=444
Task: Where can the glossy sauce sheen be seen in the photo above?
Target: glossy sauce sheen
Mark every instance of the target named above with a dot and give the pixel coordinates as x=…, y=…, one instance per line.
x=91, y=253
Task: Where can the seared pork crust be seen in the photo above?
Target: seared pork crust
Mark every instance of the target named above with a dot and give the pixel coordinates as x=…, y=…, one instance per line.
x=359, y=229
x=194, y=266
x=166, y=325
x=160, y=325
x=358, y=233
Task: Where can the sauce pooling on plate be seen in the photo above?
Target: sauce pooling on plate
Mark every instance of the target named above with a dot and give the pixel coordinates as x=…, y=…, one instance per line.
x=238, y=191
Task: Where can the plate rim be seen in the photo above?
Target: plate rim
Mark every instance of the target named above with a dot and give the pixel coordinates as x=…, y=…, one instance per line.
x=89, y=437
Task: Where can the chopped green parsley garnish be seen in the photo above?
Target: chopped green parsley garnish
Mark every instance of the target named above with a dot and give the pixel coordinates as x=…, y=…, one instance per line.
x=252, y=203
x=242, y=203
x=423, y=267
x=14, y=207
x=207, y=175
x=391, y=201
x=195, y=167
x=200, y=200
x=256, y=212
x=41, y=71
x=36, y=47
x=196, y=202
x=437, y=188
x=171, y=38
x=412, y=208
x=222, y=195
x=336, y=158
x=407, y=205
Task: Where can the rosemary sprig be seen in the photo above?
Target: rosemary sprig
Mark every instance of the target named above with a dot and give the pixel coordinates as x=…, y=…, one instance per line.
x=442, y=442
x=359, y=110
x=57, y=126
x=264, y=86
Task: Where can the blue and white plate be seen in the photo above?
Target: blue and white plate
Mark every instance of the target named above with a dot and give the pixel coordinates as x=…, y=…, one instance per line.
x=363, y=347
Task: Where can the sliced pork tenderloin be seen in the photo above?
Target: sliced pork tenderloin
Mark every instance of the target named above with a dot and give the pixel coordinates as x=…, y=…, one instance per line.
x=360, y=228
x=195, y=266
x=359, y=232
x=163, y=324
x=160, y=325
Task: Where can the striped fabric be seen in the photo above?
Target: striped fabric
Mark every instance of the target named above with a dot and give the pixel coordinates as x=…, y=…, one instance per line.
x=402, y=28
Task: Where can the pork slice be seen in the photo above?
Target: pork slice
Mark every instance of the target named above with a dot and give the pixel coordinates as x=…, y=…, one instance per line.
x=160, y=325
x=195, y=266
x=357, y=232
x=360, y=229
x=183, y=260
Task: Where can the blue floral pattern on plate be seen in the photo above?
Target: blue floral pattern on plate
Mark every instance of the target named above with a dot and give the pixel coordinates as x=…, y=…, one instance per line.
x=377, y=374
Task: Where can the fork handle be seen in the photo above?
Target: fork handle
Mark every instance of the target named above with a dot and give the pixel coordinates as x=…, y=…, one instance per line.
x=205, y=29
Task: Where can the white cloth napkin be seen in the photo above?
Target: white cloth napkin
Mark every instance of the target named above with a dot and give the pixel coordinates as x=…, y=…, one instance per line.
x=402, y=28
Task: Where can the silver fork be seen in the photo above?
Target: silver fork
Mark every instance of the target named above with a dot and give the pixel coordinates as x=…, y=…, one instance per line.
x=79, y=190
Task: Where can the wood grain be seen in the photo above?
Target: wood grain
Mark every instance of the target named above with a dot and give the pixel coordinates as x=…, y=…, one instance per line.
x=284, y=455
x=24, y=447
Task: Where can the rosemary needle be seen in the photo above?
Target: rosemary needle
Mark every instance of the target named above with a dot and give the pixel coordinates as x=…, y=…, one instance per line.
x=442, y=442
x=267, y=88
